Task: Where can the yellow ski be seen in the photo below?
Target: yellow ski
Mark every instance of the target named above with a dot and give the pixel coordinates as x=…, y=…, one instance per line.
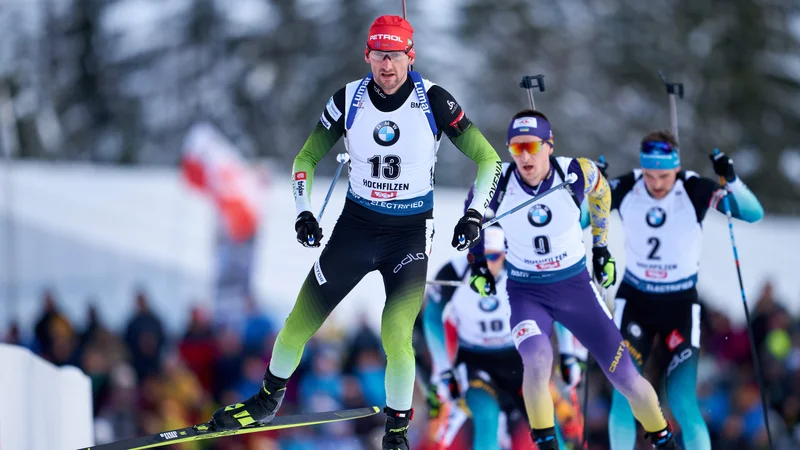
x=203, y=431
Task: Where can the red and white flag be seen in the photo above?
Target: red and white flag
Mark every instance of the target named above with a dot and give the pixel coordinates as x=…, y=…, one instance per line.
x=213, y=165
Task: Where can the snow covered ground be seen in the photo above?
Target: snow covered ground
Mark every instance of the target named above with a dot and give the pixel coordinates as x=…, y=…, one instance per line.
x=93, y=231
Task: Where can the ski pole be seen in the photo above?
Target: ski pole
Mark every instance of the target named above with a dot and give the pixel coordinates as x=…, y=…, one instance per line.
x=571, y=178
x=759, y=379
x=405, y=17
x=453, y=283
x=342, y=158
x=673, y=90
x=585, y=439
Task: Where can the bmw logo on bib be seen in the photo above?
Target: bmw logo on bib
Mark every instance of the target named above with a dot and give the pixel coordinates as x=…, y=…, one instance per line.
x=489, y=304
x=656, y=217
x=539, y=215
x=386, y=133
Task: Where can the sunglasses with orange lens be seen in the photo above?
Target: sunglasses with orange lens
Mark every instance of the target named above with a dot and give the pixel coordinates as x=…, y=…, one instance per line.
x=533, y=148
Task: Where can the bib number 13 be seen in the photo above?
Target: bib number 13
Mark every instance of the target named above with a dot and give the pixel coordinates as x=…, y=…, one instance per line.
x=388, y=166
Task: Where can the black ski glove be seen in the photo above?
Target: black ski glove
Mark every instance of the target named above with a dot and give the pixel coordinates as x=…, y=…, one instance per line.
x=605, y=268
x=723, y=165
x=467, y=232
x=308, y=231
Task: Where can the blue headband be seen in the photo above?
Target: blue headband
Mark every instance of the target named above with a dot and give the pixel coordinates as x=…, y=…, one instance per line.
x=657, y=155
x=530, y=126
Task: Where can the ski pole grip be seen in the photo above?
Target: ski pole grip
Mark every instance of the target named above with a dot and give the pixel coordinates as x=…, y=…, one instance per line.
x=675, y=89
x=532, y=81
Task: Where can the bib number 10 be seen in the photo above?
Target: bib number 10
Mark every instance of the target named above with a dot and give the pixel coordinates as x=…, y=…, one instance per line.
x=388, y=166
x=493, y=325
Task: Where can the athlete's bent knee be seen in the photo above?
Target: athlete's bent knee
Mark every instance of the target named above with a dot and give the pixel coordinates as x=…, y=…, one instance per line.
x=537, y=359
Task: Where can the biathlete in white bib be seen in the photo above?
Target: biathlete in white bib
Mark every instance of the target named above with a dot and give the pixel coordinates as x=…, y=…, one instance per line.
x=662, y=209
x=548, y=280
x=392, y=121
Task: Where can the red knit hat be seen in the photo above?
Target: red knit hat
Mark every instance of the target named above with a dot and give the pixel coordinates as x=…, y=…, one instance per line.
x=391, y=34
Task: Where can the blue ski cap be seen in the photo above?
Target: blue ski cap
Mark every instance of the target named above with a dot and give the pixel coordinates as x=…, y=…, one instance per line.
x=531, y=126
x=658, y=155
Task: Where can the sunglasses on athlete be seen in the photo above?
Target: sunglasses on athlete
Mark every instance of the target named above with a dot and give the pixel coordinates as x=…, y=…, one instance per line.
x=492, y=256
x=377, y=55
x=531, y=147
x=657, y=148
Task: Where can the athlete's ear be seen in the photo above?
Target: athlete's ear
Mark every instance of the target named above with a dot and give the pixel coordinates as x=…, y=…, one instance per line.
x=410, y=62
x=366, y=56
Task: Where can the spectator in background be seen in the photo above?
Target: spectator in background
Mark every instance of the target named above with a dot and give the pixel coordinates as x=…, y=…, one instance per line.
x=365, y=360
x=227, y=367
x=95, y=364
x=145, y=338
x=258, y=329
x=93, y=324
x=765, y=308
x=119, y=415
x=370, y=370
x=325, y=377
x=197, y=348
x=182, y=397
x=731, y=345
x=252, y=374
x=55, y=338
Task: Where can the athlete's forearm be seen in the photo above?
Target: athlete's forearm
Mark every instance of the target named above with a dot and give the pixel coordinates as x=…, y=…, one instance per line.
x=473, y=144
x=433, y=327
x=318, y=144
x=744, y=204
x=599, y=211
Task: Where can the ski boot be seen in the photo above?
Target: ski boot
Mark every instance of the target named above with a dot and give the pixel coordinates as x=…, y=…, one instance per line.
x=545, y=439
x=663, y=440
x=396, y=429
x=259, y=409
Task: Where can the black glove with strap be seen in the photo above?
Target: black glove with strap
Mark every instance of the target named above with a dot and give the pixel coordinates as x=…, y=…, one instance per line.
x=605, y=268
x=308, y=231
x=467, y=232
x=723, y=165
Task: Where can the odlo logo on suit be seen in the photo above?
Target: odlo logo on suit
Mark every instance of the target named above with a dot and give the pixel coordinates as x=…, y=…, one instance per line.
x=408, y=259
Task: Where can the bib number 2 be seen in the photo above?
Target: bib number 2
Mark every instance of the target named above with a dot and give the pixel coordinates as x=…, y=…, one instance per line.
x=655, y=243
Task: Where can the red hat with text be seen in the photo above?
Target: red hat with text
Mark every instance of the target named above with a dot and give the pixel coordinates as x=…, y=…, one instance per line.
x=391, y=34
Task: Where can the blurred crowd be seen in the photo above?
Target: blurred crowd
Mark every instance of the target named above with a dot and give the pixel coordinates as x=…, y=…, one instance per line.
x=145, y=380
